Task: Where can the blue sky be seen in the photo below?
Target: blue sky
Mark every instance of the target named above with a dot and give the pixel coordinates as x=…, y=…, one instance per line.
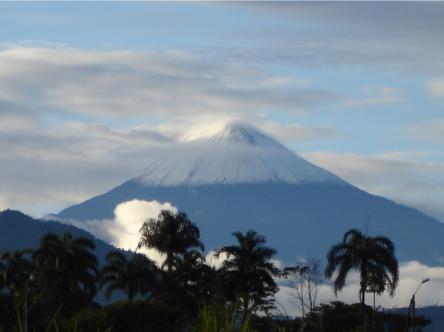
x=357, y=88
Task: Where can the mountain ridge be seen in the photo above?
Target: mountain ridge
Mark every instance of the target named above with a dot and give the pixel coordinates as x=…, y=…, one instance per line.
x=20, y=231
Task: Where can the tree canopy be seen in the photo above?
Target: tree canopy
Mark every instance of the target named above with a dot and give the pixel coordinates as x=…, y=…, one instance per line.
x=373, y=257
x=172, y=234
x=248, y=272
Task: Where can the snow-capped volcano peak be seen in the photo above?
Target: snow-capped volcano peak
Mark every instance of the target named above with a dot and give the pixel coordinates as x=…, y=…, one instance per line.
x=231, y=133
x=238, y=133
x=232, y=154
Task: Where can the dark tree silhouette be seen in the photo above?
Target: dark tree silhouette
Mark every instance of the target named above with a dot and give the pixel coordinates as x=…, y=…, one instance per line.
x=170, y=234
x=135, y=275
x=66, y=272
x=197, y=278
x=15, y=269
x=248, y=272
x=373, y=257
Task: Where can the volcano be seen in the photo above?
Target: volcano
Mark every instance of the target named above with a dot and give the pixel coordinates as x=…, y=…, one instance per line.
x=238, y=178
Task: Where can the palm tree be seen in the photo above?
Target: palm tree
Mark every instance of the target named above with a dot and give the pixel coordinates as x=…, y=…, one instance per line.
x=373, y=257
x=135, y=275
x=170, y=234
x=66, y=271
x=196, y=277
x=15, y=269
x=248, y=272
x=189, y=266
x=15, y=288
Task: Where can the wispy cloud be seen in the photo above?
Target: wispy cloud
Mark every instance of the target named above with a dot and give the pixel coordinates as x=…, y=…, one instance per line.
x=145, y=84
x=406, y=177
x=375, y=95
x=399, y=36
x=295, y=132
x=435, y=87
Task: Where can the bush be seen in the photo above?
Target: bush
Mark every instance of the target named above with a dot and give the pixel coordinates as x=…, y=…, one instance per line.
x=125, y=316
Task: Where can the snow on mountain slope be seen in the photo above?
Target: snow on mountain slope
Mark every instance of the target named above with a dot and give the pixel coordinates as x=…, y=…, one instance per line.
x=236, y=153
x=237, y=178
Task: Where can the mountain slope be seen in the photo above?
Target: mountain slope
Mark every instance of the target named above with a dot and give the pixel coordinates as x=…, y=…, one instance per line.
x=19, y=231
x=238, y=178
x=235, y=154
x=301, y=220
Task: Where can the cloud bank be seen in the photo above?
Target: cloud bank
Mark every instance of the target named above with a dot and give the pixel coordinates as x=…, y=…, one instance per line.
x=411, y=274
x=395, y=36
x=123, y=230
x=407, y=177
x=119, y=84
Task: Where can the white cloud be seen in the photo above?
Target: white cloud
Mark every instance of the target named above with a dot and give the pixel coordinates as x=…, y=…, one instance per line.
x=284, y=132
x=215, y=261
x=123, y=230
x=411, y=275
x=129, y=218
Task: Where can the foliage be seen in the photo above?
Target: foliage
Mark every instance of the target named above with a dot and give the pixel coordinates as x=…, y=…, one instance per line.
x=221, y=317
x=340, y=317
x=125, y=316
x=135, y=275
x=373, y=257
x=247, y=272
x=65, y=273
x=198, y=280
x=53, y=288
x=171, y=234
x=8, y=316
x=15, y=269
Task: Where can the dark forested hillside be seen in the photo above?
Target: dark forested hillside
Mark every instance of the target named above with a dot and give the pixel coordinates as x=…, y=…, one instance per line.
x=19, y=231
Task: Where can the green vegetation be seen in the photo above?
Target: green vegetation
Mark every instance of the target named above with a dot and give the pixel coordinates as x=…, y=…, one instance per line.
x=61, y=286
x=373, y=257
x=221, y=317
x=135, y=275
x=170, y=234
x=247, y=273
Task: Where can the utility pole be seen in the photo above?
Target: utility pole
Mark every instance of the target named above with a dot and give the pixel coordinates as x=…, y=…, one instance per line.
x=412, y=309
